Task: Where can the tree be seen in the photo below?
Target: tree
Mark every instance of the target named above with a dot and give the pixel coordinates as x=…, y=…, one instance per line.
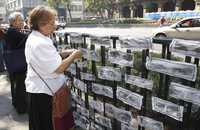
x=56, y=3
x=68, y=6
x=125, y=8
x=134, y=5
x=99, y=6
x=111, y=6
x=94, y=6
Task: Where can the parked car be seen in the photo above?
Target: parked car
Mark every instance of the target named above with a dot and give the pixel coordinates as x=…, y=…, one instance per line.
x=187, y=28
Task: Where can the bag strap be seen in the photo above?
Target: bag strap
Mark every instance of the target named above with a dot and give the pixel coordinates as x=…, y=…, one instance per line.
x=42, y=79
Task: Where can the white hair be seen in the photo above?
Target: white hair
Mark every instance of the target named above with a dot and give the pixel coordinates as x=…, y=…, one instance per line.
x=13, y=16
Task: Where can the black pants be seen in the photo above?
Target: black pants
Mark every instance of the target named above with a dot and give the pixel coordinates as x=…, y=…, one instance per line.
x=2, y=68
x=18, y=91
x=40, y=112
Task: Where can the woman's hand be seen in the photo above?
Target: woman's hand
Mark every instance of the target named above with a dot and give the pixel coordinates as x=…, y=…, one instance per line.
x=69, y=51
x=77, y=54
x=66, y=52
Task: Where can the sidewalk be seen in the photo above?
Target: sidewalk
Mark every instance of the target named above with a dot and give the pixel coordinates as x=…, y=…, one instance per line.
x=9, y=119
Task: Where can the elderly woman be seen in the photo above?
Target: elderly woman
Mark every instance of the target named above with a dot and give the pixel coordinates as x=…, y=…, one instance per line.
x=14, y=41
x=45, y=73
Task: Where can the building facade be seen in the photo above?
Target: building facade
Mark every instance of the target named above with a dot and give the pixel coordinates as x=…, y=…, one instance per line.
x=2, y=11
x=170, y=5
x=23, y=6
x=138, y=7
x=76, y=9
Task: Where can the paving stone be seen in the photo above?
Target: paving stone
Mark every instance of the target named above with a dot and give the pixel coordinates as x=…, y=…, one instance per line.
x=9, y=119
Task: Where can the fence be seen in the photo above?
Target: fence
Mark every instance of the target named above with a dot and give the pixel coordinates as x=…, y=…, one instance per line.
x=119, y=84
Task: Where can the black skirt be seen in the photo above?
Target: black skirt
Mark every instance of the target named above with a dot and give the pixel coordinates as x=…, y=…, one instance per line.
x=40, y=112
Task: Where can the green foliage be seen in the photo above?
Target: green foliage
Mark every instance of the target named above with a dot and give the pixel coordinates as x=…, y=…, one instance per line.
x=128, y=21
x=54, y=3
x=125, y=2
x=89, y=21
x=57, y=3
x=111, y=21
x=99, y=6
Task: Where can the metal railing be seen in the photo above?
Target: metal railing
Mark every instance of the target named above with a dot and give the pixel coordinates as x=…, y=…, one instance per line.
x=109, y=104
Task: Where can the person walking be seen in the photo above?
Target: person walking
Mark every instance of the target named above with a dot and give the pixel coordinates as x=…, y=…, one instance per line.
x=45, y=74
x=162, y=21
x=13, y=53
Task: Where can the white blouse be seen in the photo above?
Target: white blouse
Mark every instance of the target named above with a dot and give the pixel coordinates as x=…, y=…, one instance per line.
x=44, y=58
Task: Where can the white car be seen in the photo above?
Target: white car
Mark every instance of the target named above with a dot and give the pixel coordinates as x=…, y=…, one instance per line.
x=187, y=28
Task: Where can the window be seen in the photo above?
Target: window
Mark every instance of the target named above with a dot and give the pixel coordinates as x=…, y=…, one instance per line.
x=76, y=8
x=79, y=8
x=196, y=23
x=186, y=23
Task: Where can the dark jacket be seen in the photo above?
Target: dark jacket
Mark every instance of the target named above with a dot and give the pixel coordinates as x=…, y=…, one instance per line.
x=13, y=51
x=14, y=39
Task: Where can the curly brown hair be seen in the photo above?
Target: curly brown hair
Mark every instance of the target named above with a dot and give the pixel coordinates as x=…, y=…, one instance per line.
x=40, y=16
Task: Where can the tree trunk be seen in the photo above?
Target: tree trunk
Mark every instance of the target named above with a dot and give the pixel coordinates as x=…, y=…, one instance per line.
x=110, y=13
x=69, y=11
x=57, y=6
x=101, y=13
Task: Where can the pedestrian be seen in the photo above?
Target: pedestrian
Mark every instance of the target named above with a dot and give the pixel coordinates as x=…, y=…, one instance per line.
x=162, y=21
x=13, y=52
x=2, y=34
x=45, y=74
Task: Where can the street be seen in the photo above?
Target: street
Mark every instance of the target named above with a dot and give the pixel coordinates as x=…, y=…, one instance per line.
x=131, y=31
x=108, y=31
x=9, y=119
